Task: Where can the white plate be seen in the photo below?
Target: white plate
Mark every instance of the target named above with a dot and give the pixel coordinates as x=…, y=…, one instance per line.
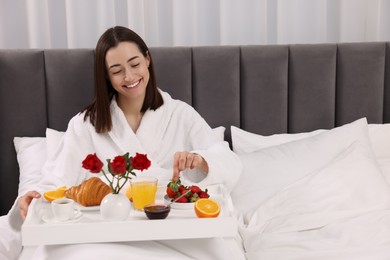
x=49, y=218
x=90, y=208
x=175, y=205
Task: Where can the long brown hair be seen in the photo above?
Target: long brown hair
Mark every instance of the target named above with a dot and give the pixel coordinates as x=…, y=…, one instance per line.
x=99, y=111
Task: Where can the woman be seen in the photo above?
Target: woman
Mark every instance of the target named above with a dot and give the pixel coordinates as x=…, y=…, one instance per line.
x=130, y=114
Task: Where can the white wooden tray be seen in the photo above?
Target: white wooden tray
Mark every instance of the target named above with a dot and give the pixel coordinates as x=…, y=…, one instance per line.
x=91, y=228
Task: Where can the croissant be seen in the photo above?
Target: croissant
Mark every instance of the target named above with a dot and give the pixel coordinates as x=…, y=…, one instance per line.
x=89, y=193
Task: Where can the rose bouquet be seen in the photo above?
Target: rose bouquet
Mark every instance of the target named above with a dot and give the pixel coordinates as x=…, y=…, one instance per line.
x=121, y=168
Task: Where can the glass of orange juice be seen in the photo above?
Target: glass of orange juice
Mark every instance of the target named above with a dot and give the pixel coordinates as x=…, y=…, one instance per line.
x=143, y=191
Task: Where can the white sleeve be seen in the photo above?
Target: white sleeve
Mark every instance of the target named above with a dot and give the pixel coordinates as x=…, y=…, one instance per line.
x=224, y=165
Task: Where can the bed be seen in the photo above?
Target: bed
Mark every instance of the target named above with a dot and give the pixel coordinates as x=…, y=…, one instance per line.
x=309, y=123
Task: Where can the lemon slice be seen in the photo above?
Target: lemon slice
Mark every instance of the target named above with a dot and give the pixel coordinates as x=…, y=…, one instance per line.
x=55, y=194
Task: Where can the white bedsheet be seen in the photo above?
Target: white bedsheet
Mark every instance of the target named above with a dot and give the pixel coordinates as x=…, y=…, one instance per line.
x=359, y=237
x=10, y=240
x=339, y=212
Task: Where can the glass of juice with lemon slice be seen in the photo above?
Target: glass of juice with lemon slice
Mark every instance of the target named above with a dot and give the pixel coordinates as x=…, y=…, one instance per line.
x=143, y=191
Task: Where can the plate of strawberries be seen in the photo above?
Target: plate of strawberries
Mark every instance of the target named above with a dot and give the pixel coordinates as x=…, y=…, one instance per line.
x=186, y=195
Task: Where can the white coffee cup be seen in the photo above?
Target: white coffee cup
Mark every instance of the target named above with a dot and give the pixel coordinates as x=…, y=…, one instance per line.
x=64, y=209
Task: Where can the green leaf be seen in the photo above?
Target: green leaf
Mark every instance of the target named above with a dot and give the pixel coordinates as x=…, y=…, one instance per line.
x=109, y=166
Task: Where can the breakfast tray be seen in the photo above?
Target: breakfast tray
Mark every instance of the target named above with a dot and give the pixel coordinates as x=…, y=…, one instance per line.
x=91, y=228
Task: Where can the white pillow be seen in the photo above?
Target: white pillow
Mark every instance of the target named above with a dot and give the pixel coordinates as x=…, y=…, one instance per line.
x=53, y=139
x=246, y=142
x=350, y=181
x=384, y=164
x=325, y=202
x=380, y=140
x=379, y=134
x=269, y=170
x=31, y=155
x=219, y=132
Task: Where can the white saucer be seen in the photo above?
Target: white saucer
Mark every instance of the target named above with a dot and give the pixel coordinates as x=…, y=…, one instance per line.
x=178, y=205
x=49, y=218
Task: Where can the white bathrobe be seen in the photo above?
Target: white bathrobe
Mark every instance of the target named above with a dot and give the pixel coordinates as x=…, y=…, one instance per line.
x=173, y=127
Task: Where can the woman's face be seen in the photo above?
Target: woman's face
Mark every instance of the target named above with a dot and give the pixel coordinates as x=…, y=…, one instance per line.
x=128, y=70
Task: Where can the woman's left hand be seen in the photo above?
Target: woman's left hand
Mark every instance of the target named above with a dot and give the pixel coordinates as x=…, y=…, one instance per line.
x=184, y=160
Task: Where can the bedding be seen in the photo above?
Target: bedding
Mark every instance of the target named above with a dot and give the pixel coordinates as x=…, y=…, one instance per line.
x=379, y=135
x=31, y=155
x=246, y=142
x=285, y=174
x=268, y=170
x=340, y=211
x=10, y=240
x=319, y=195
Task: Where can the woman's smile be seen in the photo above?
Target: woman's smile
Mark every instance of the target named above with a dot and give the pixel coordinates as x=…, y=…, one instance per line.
x=133, y=85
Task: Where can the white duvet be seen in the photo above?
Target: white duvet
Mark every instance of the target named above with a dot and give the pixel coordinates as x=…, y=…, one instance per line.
x=341, y=211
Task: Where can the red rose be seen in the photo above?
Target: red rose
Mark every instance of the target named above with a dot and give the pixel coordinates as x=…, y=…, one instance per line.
x=92, y=163
x=140, y=162
x=118, y=165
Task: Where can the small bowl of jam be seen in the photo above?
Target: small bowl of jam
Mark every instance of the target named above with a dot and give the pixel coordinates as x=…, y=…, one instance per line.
x=157, y=211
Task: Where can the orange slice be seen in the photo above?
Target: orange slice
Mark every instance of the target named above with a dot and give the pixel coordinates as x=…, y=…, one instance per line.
x=55, y=194
x=128, y=194
x=207, y=208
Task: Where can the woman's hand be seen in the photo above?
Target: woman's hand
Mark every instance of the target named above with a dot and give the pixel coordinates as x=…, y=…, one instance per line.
x=24, y=202
x=183, y=160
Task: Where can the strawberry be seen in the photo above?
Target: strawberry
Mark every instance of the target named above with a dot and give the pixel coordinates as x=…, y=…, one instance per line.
x=186, y=191
x=195, y=189
x=181, y=188
x=173, y=188
x=170, y=192
x=182, y=200
x=204, y=194
x=193, y=192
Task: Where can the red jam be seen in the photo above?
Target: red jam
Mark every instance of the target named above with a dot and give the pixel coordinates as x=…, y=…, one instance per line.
x=156, y=211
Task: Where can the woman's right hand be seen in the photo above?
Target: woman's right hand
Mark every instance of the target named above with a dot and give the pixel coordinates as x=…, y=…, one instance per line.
x=25, y=201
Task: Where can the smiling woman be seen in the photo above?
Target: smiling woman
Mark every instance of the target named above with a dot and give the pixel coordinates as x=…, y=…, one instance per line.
x=130, y=115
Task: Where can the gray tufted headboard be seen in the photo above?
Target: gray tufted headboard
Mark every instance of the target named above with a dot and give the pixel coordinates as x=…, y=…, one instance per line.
x=262, y=89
